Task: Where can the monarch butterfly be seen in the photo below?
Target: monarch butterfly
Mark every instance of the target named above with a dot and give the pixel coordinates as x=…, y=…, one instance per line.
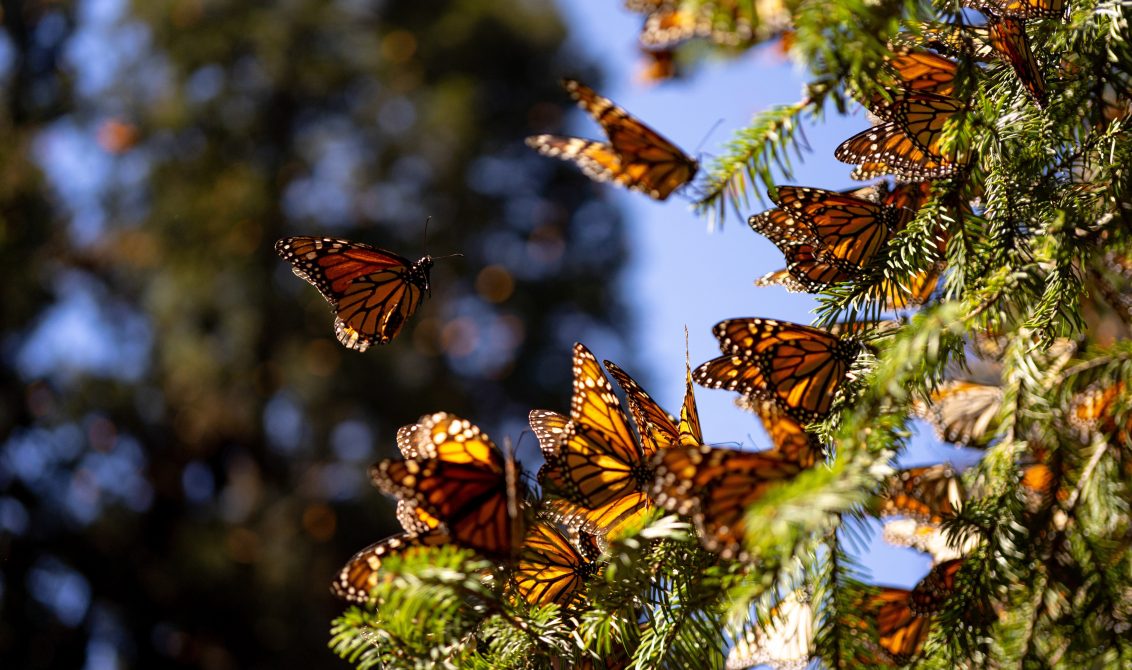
x=551, y=569
x=1027, y=10
x=809, y=266
x=786, y=640
x=460, y=479
x=922, y=72
x=636, y=156
x=798, y=367
x=592, y=458
x=1008, y=38
x=908, y=143
x=656, y=427
x=903, y=617
x=715, y=486
x=373, y=291
x=926, y=537
x=356, y=580
x=963, y=412
x=851, y=229
x=787, y=436
x=928, y=493
x=361, y=573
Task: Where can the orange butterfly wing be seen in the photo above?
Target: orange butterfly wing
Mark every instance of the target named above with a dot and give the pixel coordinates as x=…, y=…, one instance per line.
x=636, y=156
x=462, y=482
x=851, y=229
x=1008, y=38
x=715, y=486
x=801, y=367
x=929, y=493
x=373, y=292
x=593, y=461
x=550, y=568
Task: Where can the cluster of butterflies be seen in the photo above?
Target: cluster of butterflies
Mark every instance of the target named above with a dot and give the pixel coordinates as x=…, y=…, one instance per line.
x=603, y=470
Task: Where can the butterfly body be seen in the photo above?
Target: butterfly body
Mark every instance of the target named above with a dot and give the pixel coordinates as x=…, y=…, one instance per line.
x=636, y=156
x=372, y=291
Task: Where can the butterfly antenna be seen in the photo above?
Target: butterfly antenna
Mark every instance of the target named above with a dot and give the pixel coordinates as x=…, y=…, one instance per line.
x=439, y=258
x=427, y=219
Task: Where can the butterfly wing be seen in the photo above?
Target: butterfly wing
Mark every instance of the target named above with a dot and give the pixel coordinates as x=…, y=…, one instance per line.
x=1008, y=38
x=373, y=292
x=802, y=367
x=597, y=160
x=550, y=569
x=463, y=483
x=715, y=486
x=888, y=149
x=785, y=642
x=923, y=71
x=928, y=493
x=963, y=412
x=356, y=580
x=596, y=465
x=649, y=163
x=1026, y=10
x=787, y=436
x=851, y=229
x=656, y=427
x=690, y=434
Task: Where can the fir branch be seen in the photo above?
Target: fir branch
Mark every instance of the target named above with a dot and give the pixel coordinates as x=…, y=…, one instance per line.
x=752, y=157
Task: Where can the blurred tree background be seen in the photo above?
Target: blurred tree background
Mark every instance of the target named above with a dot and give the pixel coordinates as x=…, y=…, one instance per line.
x=183, y=443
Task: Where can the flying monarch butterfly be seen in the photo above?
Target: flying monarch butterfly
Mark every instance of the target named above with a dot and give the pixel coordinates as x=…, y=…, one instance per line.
x=1026, y=10
x=460, y=479
x=908, y=143
x=787, y=436
x=715, y=486
x=373, y=291
x=785, y=642
x=963, y=412
x=929, y=493
x=798, y=367
x=1008, y=38
x=551, y=569
x=636, y=156
x=928, y=538
x=593, y=461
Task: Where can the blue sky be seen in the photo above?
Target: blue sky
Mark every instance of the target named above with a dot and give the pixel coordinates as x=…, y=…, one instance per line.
x=680, y=273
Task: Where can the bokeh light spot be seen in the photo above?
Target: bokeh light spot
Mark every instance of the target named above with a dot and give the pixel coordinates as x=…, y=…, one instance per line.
x=495, y=284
